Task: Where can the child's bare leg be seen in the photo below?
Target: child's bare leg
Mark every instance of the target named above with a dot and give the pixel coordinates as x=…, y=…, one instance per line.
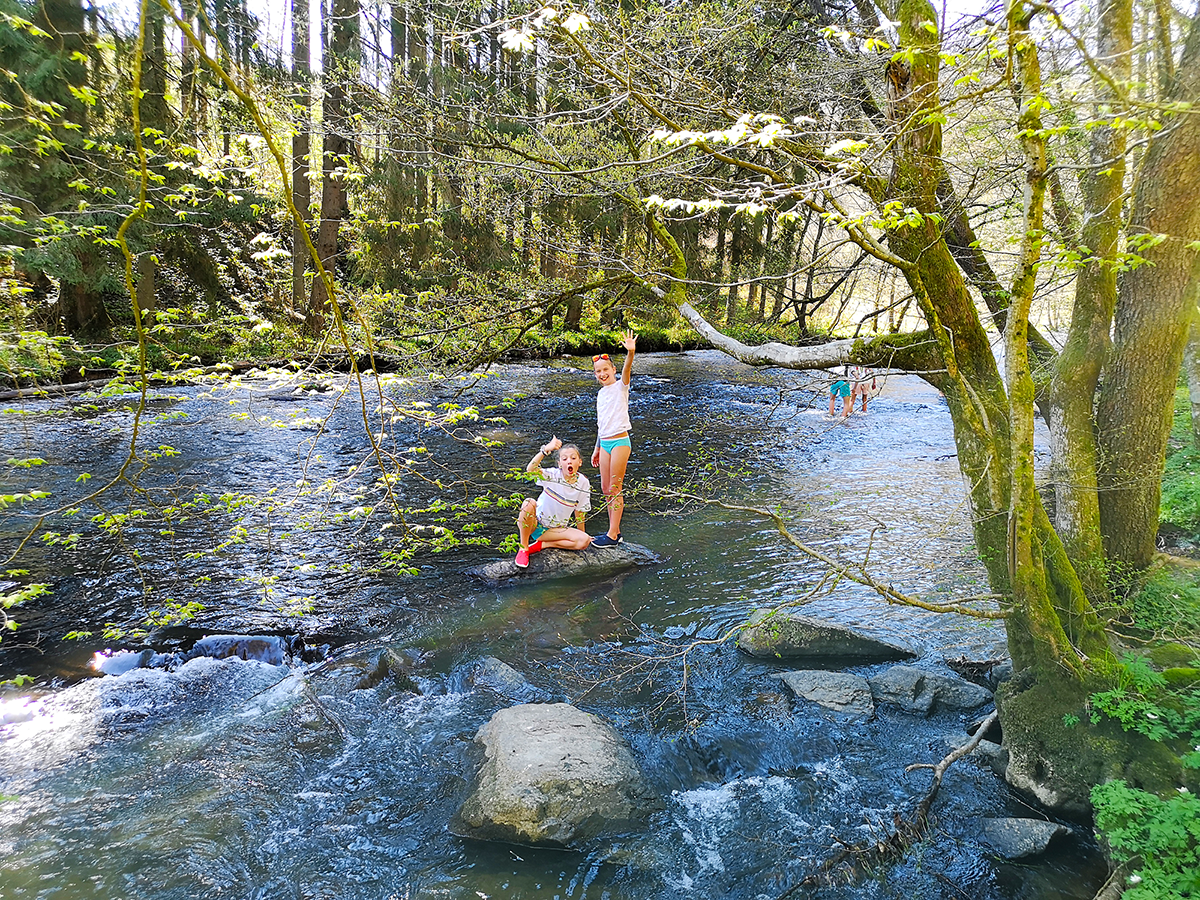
x=612, y=482
x=526, y=521
x=565, y=538
x=832, y=402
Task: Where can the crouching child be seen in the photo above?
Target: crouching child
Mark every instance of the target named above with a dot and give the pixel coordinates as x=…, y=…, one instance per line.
x=566, y=494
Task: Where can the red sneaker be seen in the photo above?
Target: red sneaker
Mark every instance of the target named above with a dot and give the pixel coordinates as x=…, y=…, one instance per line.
x=535, y=547
x=522, y=558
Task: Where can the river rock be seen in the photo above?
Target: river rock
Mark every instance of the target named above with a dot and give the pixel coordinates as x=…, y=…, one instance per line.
x=548, y=564
x=1015, y=838
x=995, y=755
x=497, y=675
x=553, y=774
x=783, y=634
x=270, y=649
x=917, y=691
x=839, y=691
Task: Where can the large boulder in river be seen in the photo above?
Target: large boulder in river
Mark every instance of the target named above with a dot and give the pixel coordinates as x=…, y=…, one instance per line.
x=783, y=634
x=917, y=691
x=552, y=774
x=548, y=564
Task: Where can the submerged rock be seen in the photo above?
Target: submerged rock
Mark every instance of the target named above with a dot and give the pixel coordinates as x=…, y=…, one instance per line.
x=561, y=563
x=552, y=774
x=782, y=634
x=499, y=676
x=1015, y=838
x=917, y=691
x=390, y=668
x=989, y=752
x=839, y=691
x=269, y=649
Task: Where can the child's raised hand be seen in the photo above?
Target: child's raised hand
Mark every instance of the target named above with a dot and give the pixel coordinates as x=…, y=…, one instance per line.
x=554, y=444
x=629, y=340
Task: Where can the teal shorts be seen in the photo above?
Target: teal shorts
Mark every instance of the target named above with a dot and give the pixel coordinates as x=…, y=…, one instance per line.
x=839, y=389
x=607, y=445
x=537, y=532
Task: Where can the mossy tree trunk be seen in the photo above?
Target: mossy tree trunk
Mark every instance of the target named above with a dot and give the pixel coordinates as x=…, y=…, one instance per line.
x=1154, y=311
x=1077, y=370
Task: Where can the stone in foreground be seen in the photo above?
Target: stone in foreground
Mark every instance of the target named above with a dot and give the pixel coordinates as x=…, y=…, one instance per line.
x=552, y=774
x=917, y=691
x=839, y=691
x=782, y=634
x=1018, y=838
x=550, y=564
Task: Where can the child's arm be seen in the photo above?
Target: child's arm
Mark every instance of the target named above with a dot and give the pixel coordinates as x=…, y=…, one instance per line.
x=536, y=462
x=580, y=519
x=630, y=342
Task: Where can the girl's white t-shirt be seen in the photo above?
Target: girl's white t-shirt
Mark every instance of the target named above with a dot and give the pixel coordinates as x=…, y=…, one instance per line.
x=560, y=500
x=612, y=409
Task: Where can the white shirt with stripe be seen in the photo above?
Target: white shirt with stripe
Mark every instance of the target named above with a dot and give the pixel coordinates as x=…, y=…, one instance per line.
x=560, y=500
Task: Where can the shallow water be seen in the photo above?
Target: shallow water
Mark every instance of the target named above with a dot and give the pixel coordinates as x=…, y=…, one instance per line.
x=239, y=779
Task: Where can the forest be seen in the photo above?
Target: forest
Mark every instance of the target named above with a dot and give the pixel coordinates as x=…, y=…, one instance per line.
x=997, y=200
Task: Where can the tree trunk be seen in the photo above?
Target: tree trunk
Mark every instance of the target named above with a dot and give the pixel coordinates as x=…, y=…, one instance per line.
x=340, y=74
x=146, y=297
x=1077, y=372
x=301, y=146
x=736, y=249
x=1153, y=315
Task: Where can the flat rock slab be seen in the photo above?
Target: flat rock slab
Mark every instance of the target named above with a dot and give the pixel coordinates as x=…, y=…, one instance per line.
x=839, y=691
x=550, y=564
x=551, y=774
x=917, y=691
x=1015, y=838
x=782, y=634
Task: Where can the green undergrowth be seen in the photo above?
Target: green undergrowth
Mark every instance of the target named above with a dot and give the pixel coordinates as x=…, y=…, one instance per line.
x=1155, y=836
x=1181, y=477
x=1168, y=604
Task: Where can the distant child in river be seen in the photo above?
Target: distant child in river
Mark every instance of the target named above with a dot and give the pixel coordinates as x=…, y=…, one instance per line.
x=841, y=388
x=863, y=381
x=565, y=493
x=612, y=434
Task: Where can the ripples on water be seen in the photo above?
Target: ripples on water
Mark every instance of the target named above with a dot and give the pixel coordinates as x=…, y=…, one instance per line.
x=238, y=779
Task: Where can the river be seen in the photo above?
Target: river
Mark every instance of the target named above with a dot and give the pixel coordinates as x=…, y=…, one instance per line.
x=235, y=779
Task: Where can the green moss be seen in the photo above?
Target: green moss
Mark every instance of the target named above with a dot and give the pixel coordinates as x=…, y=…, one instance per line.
x=1172, y=655
x=1181, y=676
x=1061, y=763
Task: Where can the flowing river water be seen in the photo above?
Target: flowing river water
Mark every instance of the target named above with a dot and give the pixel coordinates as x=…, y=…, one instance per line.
x=240, y=779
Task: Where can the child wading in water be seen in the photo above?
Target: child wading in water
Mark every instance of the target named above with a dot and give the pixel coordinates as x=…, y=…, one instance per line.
x=564, y=492
x=612, y=435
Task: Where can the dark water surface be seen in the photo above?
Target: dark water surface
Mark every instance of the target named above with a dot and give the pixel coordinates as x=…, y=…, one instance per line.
x=232, y=779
